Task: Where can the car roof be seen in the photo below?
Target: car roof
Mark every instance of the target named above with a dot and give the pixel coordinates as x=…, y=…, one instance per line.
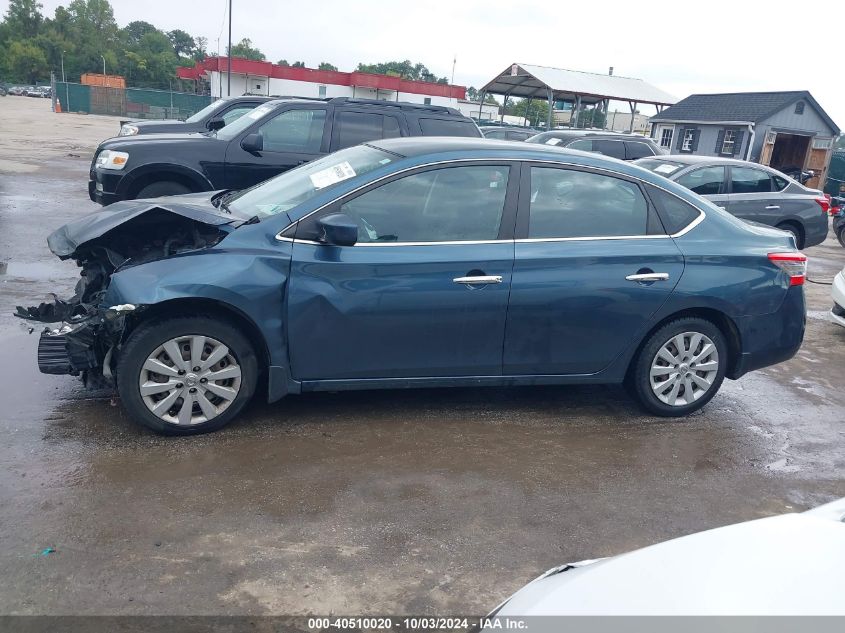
x=692, y=159
x=783, y=565
x=410, y=146
x=574, y=134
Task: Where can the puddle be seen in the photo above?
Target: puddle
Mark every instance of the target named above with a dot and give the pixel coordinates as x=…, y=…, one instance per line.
x=37, y=271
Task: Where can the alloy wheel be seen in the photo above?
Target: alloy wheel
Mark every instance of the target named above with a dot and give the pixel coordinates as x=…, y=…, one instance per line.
x=684, y=369
x=189, y=380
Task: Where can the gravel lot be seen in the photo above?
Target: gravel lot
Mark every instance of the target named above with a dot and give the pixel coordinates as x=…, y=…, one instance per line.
x=430, y=501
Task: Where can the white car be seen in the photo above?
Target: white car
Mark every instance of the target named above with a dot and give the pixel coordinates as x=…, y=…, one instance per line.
x=790, y=564
x=838, y=293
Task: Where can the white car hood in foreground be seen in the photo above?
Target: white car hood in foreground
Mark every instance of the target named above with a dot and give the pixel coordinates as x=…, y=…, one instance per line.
x=792, y=564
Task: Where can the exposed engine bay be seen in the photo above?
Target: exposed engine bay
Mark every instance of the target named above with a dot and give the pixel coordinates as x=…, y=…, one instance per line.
x=102, y=244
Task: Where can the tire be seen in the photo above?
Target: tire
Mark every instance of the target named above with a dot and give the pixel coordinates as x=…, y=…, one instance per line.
x=689, y=329
x=840, y=235
x=796, y=231
x=162, y=188
x=221, y=339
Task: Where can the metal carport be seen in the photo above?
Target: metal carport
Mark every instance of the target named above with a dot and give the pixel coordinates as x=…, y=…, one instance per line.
x=579, y=88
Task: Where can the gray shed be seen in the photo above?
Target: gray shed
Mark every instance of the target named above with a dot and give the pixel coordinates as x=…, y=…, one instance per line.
x=779, y=129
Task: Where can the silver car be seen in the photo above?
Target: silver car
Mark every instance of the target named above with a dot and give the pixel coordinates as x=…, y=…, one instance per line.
x=750, y=192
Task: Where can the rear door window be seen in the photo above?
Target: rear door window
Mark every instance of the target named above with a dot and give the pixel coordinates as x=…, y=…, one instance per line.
x=448, y=127
x=705, y=181
x=614, y=149
x=354, y=128
x=637, y=149
x=499, y=134
x=583, y=144
x=749, y=180
x=573, y=203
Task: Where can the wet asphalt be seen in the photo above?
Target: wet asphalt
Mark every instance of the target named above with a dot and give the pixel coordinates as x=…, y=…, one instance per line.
x=425, y=502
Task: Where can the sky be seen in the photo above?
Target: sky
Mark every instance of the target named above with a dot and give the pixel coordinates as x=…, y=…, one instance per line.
x=683, y=47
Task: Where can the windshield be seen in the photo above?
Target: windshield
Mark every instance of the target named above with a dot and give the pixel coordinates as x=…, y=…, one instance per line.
x=662, y=167
x=236, y=127
x=207, y=110
x=298, y=185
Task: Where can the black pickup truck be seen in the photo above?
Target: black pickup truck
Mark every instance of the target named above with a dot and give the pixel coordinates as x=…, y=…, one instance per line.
x=214, y=116
x=266, y=141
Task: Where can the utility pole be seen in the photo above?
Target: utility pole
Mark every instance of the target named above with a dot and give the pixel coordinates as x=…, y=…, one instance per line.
x=104, y=65
x=229, y=62
x=63, y=68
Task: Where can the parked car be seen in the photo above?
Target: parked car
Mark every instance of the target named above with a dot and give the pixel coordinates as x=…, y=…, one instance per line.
x=750, y=192
x=504, y=133
x=787, y=565
x=422, y=263
x=270, y=139
x=613, y=144
x=214, y=116
x=839, y=219
x=18, y=91
x=838, y=295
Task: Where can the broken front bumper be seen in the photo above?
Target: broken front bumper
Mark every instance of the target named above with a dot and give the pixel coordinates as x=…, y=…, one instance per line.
x=67, y=350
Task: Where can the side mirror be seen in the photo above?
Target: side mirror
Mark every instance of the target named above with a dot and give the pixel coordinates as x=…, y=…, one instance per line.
x=215, y=124
x=253, y=143
x=338, y=229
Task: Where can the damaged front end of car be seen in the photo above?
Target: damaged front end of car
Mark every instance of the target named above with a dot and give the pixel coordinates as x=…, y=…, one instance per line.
x=85, y=333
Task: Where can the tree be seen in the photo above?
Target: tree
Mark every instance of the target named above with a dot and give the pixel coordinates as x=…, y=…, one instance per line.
x=23, y=19
x=298, y=65
x=200, y=48
x=134, y=31
x=475, y=95
x=537, y=112
x=326, y=66
x=590, y=117
x=245, y=49
x=282, y=62
x=404, y=69
x=25, y=62
x=183, y=43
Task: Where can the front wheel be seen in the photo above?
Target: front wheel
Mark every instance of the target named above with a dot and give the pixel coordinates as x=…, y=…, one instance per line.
x=161, y=189
x=186, y=375
x=680, y=368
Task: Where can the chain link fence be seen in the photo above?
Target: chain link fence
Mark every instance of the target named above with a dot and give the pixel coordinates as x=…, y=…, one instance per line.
x=132, y=103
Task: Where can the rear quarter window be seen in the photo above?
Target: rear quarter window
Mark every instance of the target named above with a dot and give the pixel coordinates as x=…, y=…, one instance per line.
x=448, y=127
x=675, y=213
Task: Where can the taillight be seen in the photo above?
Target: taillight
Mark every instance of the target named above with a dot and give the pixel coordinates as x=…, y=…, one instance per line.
x=824, y=203
x=793, y=264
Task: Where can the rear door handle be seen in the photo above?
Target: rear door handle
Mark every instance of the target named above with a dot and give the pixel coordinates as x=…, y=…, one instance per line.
x=648, y=277
x=478, y=280
x=772, y=207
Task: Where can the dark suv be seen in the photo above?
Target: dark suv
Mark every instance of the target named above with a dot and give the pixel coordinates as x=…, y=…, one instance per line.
x=214, y=116
x=268, y=140
x=613, y=144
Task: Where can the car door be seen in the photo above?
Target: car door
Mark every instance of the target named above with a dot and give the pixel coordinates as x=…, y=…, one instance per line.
x=710, y=182
x=291, y=137
x=592, y=265
x=752, y=196
x=423, y=293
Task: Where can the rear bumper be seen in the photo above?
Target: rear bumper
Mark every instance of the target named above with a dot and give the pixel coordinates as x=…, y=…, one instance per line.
x=816, y=231
x=837, y=314
x=771, y=338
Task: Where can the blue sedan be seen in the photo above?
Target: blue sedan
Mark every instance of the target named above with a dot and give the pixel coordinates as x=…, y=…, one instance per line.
x=422, y=263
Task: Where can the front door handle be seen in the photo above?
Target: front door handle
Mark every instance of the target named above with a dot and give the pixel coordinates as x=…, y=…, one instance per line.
x=479, y=280
x=648, y=277
x=772, y=207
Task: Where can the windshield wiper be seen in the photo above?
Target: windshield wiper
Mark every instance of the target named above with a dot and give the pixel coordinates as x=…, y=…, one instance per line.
x=222, y=201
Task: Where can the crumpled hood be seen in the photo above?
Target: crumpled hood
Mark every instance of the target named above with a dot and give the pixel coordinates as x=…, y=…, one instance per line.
x=64, y=241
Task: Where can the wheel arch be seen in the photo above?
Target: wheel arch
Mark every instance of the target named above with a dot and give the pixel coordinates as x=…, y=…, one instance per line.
x=184, y=306
x=718, y=318
x=149, y=174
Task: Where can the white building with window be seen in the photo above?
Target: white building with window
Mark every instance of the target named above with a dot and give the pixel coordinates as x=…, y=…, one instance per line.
x=264, y=78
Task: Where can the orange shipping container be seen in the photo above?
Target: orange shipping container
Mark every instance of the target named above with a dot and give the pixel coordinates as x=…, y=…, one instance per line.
x=106, y=81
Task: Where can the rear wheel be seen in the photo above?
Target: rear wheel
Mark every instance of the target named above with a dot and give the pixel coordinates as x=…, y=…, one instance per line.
x=162, y=188
x=840, y=235
x=680, y=368
x=796, y=231
x=187, y=375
